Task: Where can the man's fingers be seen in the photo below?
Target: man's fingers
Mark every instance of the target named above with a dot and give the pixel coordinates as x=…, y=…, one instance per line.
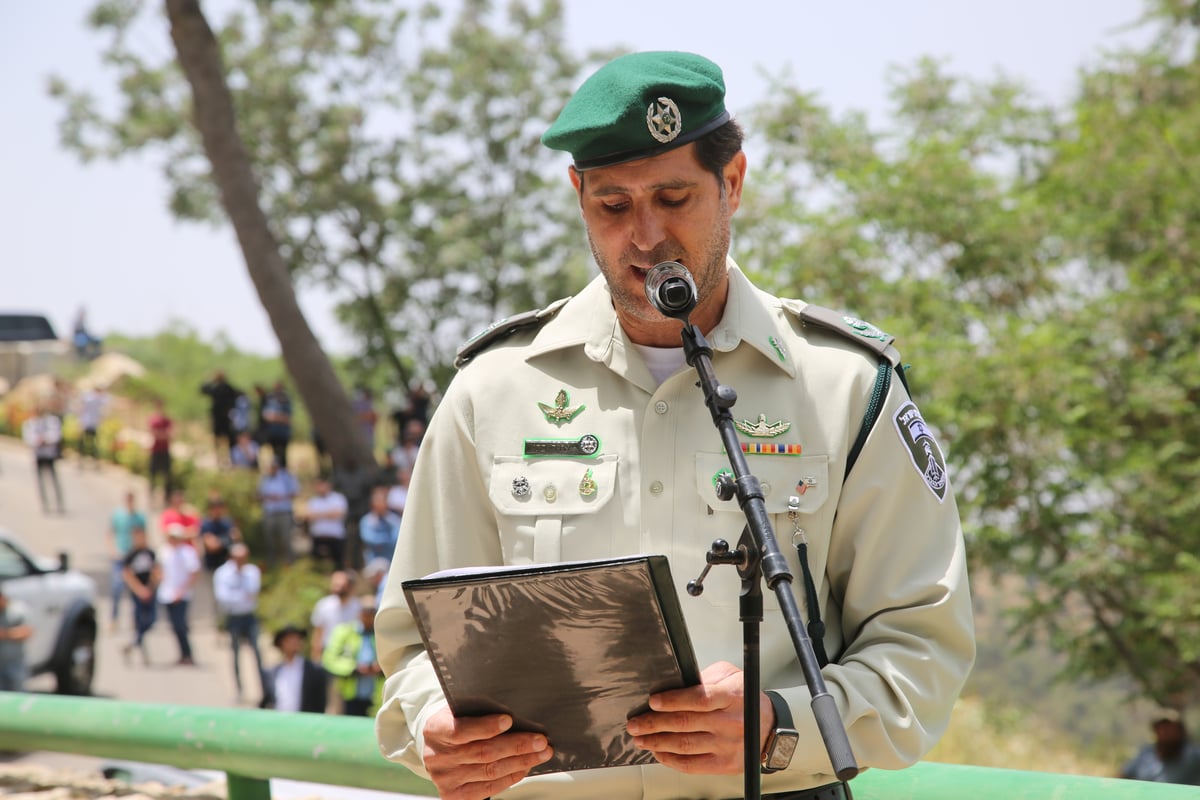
x=446, y=728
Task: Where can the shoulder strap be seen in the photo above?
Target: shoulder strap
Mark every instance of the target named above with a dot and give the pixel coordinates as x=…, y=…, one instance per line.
x=504, y=328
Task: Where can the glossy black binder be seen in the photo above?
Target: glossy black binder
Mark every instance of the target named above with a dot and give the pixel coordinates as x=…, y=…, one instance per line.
x=571, y=650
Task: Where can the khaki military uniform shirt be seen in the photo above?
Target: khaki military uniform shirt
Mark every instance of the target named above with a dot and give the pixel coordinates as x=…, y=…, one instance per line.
x=885, y=545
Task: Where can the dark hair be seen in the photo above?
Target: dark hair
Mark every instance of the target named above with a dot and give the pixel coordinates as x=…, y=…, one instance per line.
x=715, y=150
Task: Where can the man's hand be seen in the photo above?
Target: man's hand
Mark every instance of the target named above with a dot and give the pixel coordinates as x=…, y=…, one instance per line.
x=474, y=757
x=699, y=729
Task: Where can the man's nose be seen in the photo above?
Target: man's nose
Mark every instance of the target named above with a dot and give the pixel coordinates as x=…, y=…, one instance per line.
x=648, y=229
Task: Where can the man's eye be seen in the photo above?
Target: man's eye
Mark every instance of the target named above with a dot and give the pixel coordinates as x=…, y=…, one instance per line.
x=615, y=208
x=673, y=202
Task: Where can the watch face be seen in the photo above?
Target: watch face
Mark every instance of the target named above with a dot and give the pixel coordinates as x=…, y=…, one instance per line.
x=783, y=746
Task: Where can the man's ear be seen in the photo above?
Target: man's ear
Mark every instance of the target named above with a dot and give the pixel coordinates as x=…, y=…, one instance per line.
x=734, y=176
x=576, y=181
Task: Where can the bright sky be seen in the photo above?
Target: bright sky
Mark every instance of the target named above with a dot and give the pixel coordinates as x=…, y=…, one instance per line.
x=99, y=236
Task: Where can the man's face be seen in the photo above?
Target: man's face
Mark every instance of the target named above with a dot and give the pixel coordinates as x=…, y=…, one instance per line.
x=666, y=208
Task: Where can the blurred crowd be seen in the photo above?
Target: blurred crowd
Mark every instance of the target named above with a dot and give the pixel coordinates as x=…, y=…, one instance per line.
x=343, y=518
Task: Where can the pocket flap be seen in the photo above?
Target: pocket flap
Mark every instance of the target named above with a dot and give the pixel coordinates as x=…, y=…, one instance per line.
x=555, y=486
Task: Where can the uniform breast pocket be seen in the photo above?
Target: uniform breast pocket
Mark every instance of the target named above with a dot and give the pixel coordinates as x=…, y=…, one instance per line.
x=553, y=509
x=781, y=477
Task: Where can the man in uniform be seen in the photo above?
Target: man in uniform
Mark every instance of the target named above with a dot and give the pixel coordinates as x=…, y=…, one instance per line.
x=578, y=432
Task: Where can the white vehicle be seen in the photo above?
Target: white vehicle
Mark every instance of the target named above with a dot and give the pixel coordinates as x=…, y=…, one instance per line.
x=60, y=606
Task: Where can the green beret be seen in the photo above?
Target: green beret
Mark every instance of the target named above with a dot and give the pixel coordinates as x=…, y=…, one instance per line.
x=638, y=106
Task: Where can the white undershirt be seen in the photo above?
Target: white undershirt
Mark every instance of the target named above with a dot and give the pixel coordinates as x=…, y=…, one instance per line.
x=661, y=361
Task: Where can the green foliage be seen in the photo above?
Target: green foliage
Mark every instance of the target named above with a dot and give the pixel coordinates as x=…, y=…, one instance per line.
x=397, y=154
x=289, y=594
x=1039, y=267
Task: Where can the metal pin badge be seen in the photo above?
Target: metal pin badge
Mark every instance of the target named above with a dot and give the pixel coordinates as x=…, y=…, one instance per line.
x=520, y=487
x=587, y=486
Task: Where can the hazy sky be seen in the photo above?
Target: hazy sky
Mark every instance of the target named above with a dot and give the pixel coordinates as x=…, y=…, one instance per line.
x=99, y=236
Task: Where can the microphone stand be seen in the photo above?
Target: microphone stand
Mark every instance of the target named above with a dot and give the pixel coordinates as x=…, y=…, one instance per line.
x=758, y=558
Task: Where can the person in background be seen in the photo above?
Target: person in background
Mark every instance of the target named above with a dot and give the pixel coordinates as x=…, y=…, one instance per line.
x=379, y=528
x=160, y=451
x=93, y=404
x=218, y=533
x=244, y=454
x=350, y=659
x=404, y=455
x=14, y=631
x=1171, y=758
x=43, y=434
x=180, y=512
x=295, y=683
x=236, y=585
x=397, y=493
x=326, y=514
x=354, y=481
x=141, y=575
x=222, y=398
x=339, y=606
x=375, y=574
x=125, y=521
x=179, y=569
x=277, y=419
x=277, y=491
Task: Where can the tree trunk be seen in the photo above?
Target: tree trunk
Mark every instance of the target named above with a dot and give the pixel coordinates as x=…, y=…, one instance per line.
x=310, y=368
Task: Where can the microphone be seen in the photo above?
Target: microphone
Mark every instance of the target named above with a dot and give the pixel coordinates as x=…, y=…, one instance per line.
x=671, y=290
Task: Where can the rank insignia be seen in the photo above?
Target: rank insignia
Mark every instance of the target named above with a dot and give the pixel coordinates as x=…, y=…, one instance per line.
x=584, y=446
x=866, y=329
x=778, y=348
x=762, y=429
x=562, y=410
x=587, y=486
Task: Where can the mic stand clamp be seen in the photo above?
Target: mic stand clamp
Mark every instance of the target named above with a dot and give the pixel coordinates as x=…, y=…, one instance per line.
x=759, y=558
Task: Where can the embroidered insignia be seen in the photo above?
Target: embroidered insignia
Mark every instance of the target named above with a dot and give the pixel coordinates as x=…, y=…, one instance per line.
x=587, y=486
x=770, y=449
x=663, y=120
x=587, y=445
x=778, y=348
x=521, y=487
x=866, y=329
x=922, y=449
x=762, y=429
x=561, y=411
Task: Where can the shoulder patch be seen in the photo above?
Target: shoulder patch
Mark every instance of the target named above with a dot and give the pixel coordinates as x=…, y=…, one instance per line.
x=502, y=329
x=923, y=449
x=852, y=328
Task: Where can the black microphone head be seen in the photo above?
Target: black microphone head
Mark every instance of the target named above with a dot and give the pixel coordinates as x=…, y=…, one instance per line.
x=671, y=290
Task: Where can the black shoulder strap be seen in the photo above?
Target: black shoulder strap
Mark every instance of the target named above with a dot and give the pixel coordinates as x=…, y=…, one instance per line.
x=504, y=328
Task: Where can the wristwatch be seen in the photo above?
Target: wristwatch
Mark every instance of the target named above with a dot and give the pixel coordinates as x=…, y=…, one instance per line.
x=782, y=741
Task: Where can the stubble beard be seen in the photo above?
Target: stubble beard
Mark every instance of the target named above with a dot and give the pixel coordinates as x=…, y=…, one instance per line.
x=630, y=299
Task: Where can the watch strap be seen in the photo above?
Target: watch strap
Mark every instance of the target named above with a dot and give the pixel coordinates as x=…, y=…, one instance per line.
x=783, y=713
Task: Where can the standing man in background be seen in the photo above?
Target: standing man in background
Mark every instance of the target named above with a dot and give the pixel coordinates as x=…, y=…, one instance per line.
x=277, y=491
x=43, y=434
x=125, y=521
x=93, y=404
x=179, y=567
x=222, y=399
x=236, y=584
x=160, y=451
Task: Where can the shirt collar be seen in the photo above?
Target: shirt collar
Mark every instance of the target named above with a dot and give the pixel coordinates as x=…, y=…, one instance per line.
x=589, y=320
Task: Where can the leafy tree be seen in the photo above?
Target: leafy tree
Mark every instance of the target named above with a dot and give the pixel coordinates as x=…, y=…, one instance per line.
x=395, y=150
x=1039, y=267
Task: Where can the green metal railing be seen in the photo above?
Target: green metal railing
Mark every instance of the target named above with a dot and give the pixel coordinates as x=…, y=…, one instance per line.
x=251, y=747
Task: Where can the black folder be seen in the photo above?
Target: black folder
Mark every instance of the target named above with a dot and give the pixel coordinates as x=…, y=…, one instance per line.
x=571, y=650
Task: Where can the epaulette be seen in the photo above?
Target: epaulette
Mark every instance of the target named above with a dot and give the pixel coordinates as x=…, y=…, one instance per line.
x=502, y=329
x=856, y=330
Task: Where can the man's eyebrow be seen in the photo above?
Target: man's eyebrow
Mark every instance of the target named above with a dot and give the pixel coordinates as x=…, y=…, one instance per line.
x=613, y=188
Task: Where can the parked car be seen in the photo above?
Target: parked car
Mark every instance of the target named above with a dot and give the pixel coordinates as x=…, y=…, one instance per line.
x=61, y=608
x=28, y=346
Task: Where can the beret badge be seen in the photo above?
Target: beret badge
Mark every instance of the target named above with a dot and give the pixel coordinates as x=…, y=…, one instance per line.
x=663, y=120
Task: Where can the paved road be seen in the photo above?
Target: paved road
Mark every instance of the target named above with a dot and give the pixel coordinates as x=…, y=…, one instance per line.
x=91, y=494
